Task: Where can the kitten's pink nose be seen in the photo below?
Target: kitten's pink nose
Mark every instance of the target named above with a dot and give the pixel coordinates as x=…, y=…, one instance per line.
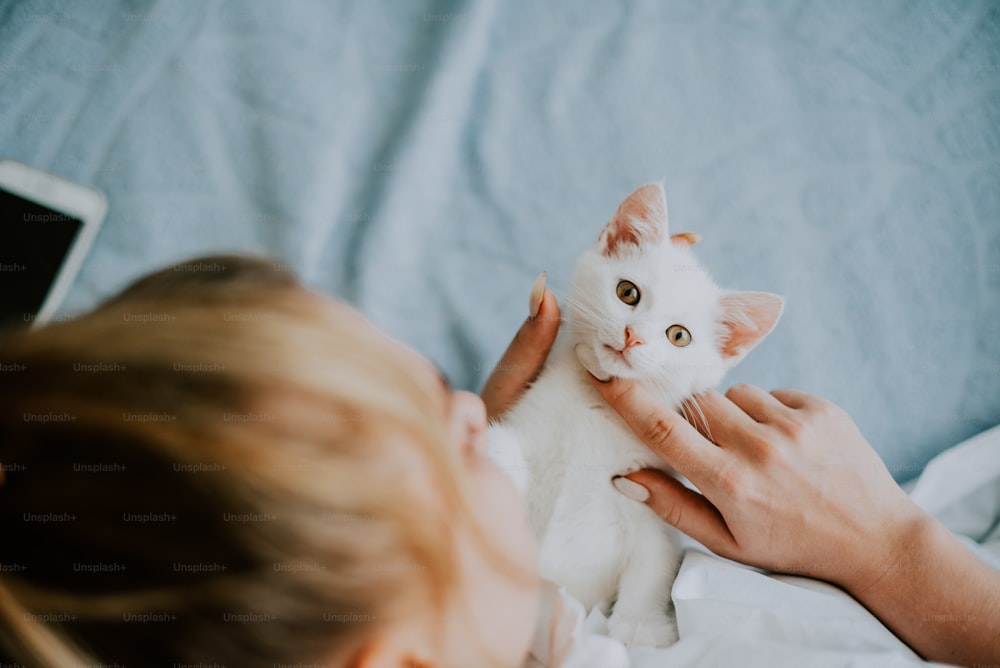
x=631, y=339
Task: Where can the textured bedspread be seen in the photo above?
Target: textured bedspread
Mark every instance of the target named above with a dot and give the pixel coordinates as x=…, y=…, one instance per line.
x=426, y=160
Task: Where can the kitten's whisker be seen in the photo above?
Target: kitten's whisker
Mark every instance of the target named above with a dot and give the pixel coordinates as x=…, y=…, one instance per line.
x=685, y=413
x=702, y=424
x=588, y=316
x=585, y=307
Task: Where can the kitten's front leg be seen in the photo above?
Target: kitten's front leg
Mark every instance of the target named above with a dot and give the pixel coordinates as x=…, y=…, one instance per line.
x=644, y=613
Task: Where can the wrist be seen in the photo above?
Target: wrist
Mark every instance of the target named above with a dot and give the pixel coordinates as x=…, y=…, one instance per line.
x=894, y=550
x=932, y=592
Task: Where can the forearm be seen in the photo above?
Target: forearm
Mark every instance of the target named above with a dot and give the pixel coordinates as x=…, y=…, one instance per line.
x=936, y=595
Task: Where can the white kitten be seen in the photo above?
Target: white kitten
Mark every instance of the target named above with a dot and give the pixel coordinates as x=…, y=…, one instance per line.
x=641, y=307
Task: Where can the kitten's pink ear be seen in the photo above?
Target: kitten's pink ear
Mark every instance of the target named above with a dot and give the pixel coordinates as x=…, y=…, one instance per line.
x=640, y=219
x=747, y=317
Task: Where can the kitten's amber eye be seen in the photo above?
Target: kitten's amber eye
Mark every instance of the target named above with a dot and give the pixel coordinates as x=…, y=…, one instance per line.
x=628, y=292
x=678, y=335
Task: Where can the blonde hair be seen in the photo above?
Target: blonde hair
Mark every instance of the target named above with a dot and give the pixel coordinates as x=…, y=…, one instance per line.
x=214, y=466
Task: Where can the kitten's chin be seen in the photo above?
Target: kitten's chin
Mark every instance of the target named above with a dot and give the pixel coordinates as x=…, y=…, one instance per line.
x=600, y=368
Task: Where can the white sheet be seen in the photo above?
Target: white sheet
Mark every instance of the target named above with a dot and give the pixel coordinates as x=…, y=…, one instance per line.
x=731, y=615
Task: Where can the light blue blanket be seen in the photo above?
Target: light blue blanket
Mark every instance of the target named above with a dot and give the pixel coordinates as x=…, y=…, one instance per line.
x=426, y=160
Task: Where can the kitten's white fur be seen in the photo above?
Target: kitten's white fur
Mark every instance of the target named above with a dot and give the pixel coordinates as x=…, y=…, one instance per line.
x=562, y=443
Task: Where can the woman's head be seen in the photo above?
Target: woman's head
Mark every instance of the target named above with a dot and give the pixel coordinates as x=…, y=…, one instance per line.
x=218, y=465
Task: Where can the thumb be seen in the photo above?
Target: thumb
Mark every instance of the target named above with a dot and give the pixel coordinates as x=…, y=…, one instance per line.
x=685, y=509
x=523, y=359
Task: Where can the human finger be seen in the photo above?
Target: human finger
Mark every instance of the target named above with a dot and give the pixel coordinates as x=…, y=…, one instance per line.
x=662, y=429
x=683, y=508
x=794, y=398
x=526, y=354
x=716, y=417
x=760, y=406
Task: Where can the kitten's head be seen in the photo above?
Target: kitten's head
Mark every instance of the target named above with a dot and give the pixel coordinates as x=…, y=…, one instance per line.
x=642, y=307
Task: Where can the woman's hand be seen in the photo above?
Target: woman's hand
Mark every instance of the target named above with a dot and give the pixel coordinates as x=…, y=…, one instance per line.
x=787, y=482
x=526, y=354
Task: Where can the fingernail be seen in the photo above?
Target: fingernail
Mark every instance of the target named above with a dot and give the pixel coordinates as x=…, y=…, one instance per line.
x=586, y=359
x=537, y=293
x=631, y=489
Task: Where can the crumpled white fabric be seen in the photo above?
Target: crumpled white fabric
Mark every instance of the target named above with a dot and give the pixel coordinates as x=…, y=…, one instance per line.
x=563, y=639
x=961, y=488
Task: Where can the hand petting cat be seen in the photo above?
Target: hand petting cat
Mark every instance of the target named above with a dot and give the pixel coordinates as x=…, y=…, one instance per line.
x=769, y=454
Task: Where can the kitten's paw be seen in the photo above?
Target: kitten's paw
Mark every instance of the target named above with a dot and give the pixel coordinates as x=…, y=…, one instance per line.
x=648, y=631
